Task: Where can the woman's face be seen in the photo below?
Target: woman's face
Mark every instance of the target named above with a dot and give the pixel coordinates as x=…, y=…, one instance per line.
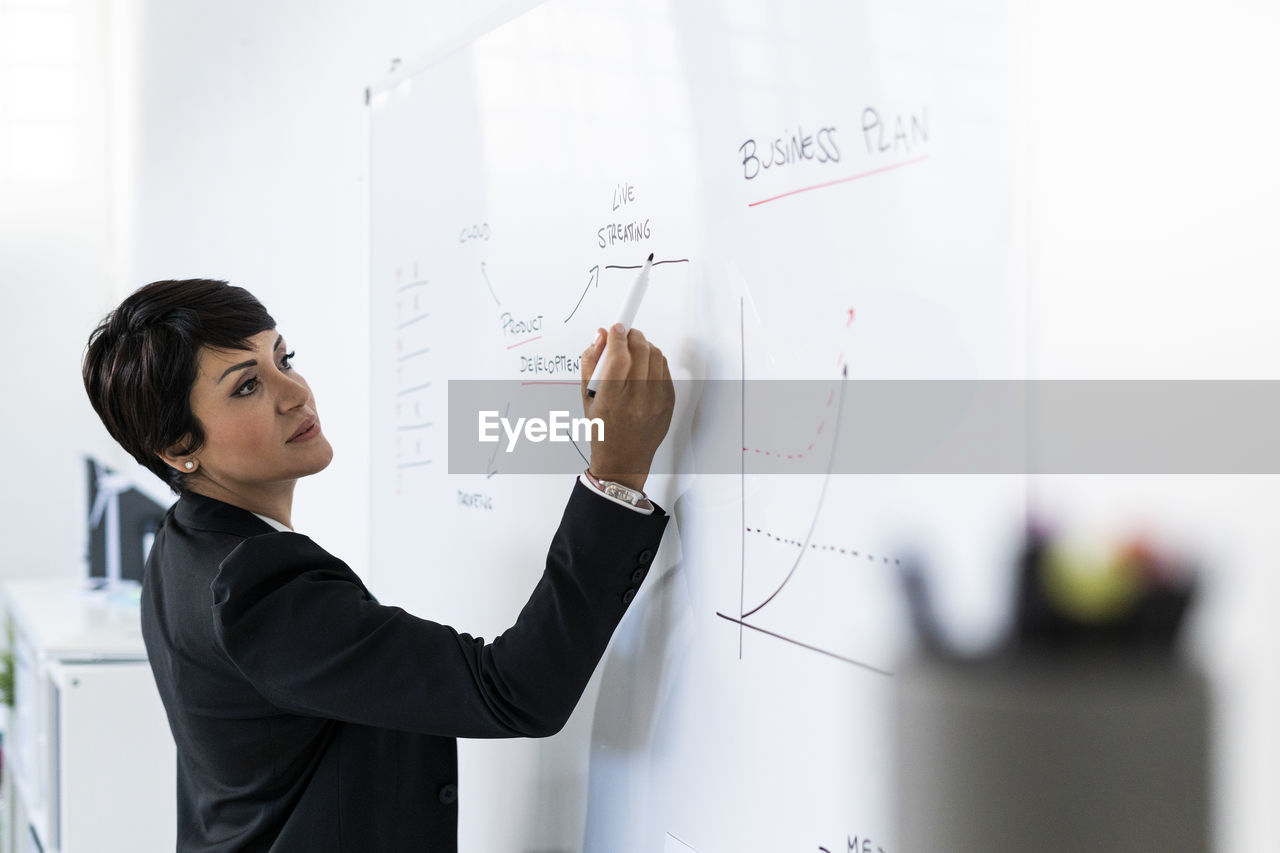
x=259, y=418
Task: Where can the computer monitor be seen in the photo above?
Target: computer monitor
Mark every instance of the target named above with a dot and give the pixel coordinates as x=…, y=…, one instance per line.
x=136, y=518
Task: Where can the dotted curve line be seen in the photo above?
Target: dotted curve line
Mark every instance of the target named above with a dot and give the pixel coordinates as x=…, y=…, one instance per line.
x=814, y=546
x=823, y=423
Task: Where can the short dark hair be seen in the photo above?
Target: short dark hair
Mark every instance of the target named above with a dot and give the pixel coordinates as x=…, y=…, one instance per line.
x=143, y=358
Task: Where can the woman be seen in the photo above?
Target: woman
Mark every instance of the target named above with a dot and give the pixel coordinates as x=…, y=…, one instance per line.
x=309, y=717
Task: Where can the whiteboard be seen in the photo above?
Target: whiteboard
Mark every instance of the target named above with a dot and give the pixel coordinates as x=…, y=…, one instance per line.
x=832, y=187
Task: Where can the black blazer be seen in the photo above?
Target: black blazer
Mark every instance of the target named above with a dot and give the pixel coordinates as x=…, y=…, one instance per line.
x=309, y=718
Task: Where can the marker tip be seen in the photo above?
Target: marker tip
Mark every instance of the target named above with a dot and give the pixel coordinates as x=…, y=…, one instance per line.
x=651, y=256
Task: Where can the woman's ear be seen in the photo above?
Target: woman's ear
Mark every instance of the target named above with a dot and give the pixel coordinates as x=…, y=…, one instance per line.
x=178, y=459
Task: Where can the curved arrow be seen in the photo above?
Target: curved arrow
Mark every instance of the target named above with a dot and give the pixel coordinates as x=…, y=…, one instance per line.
x=593, y=279
x=485, y=273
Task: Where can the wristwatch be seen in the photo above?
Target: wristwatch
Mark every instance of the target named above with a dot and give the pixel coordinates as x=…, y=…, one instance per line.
x=616, y=490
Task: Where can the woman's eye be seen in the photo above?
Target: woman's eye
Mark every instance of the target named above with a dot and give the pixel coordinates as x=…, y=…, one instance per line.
x=250, y=385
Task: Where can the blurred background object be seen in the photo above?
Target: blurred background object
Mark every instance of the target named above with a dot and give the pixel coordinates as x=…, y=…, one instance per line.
x=1086, y=728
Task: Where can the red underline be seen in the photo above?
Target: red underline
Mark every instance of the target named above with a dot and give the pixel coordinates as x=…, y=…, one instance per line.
x=841, y=180
x=522, y=343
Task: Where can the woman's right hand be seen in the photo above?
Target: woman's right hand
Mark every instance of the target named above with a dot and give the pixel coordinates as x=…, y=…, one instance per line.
x=635, y=399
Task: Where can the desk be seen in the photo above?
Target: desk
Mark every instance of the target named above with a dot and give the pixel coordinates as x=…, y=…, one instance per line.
x=89, y=748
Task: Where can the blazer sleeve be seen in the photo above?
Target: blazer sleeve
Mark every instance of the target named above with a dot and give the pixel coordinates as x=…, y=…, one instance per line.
x=304, y=631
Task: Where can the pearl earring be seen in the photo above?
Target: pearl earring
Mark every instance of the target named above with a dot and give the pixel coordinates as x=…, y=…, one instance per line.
x=190, y=465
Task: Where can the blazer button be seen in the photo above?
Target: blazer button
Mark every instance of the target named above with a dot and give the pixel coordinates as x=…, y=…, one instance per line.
x=628, y=596
x=638, y=575
x=645, y=556
x=449, y=794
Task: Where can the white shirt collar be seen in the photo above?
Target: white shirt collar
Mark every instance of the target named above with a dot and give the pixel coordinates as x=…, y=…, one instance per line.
x=277, y=525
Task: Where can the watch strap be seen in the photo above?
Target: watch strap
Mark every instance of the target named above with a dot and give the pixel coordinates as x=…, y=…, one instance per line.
x=617, y=491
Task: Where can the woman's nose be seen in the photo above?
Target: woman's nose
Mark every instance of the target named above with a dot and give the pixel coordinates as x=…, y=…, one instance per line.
x=293, y=391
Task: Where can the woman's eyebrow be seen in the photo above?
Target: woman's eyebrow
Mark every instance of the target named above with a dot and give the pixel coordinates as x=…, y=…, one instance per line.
x=250, y=363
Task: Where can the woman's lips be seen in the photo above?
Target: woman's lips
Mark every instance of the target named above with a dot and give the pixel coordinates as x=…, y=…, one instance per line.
x=310, y=429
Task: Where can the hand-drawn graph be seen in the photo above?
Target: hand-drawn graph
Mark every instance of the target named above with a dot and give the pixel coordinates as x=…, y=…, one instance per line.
x=751, y=612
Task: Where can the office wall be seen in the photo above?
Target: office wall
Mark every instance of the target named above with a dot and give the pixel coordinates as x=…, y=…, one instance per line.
x=54, y=272
x=230, y=140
